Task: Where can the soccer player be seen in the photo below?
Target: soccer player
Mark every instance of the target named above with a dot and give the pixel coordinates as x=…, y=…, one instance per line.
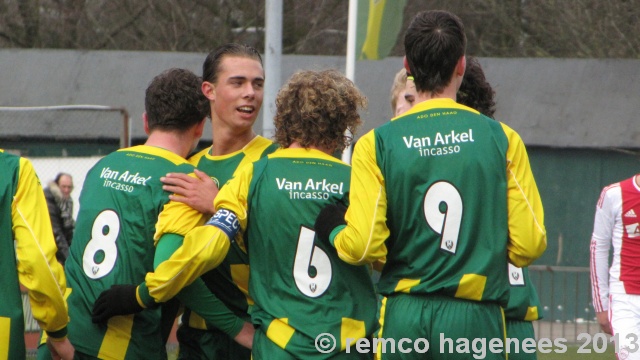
x=447, y=195
x=233, y=82
x=616, y=289
x=402, y=98
x=524, y=305
x=120, y=202
x=28, y=252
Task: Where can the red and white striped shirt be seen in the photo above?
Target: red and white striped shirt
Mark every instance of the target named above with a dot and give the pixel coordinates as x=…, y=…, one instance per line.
x=617, y=223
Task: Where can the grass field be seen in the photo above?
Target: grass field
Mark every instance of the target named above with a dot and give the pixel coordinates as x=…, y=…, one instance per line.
x=572, y=354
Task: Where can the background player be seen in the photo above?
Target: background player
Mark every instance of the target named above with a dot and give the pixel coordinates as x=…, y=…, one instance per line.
x=402, y=95
x=28, y=252
x=119, y=205
x=616, y=289
x=436, y=157
x=524, y=305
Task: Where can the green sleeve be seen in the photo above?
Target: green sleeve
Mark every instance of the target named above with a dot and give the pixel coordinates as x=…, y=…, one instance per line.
x=203, y=302
x=166, y=246
x=196, y=296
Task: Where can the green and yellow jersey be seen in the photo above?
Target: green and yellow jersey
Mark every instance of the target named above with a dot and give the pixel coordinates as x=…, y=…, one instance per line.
x=524, y=304
x=293, y=275
x=27, y=257
x=229, y=281
x=447, y=195
x=120, y=202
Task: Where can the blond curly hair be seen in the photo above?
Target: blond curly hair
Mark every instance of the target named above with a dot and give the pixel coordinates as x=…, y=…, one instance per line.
x=315, y=108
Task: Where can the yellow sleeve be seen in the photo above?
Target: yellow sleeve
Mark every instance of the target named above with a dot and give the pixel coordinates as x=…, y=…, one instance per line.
x=203, y=248
x=362, y=240
x=527, y=234
x=38, y=269
x=177, y=218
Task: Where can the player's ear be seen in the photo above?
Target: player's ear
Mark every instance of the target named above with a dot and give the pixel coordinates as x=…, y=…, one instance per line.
x=145, y=122
x=200, y=128
x=209, y=90
x=461, y=66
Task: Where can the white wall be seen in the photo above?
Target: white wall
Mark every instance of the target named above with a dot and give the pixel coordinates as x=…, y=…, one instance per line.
x=77, y=167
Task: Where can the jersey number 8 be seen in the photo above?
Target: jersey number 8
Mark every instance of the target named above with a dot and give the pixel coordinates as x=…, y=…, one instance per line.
x=101, y=252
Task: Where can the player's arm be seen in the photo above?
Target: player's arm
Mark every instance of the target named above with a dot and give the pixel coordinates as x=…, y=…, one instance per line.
x=38, y=269
x=129, y=299
x=205, y=246
x=361, y=240
x=601, y=238
x=197, y=296
x=527, y=234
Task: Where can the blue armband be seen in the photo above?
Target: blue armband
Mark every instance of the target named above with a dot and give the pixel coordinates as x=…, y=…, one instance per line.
x=227, y=221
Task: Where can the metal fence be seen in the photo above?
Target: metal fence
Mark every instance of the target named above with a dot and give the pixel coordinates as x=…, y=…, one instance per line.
x=565, y=299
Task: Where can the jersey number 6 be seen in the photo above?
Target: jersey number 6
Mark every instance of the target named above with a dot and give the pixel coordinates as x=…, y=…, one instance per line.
x=310, y=258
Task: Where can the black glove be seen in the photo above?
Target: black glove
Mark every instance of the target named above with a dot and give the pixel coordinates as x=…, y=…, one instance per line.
x=118, y=300
x=329, y=218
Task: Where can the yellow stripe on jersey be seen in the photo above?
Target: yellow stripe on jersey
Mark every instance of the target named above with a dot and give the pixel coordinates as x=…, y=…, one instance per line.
x=443, y=103
x=504, y=331
x=252, y=152
x=532, y=314
x=471, y=287
x=116, y=339
x=351, y=329
x=405, y=285
x=197, y=322
x=240, y=277
x=159, y=152
x=280, y=332
x=5, y=326
x=383, y=310
x=295, y=153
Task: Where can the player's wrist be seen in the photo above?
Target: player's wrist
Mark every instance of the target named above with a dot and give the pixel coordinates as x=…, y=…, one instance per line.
x=330, y=221
x=334, y=233
x=144, y=299
x=58, y=335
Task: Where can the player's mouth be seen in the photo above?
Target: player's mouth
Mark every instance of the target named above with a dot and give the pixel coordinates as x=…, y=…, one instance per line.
x=246, y=109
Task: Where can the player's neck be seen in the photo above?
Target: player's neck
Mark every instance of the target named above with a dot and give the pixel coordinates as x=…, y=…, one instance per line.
x=448, y=93
x=296, y=145
x=226, y=142
x=176, y=143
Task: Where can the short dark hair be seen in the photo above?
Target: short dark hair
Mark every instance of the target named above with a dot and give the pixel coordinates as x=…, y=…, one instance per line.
x=211, y=66
x=434, y=42
x=315, y=108
x=475, y=91
x=174, y=101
